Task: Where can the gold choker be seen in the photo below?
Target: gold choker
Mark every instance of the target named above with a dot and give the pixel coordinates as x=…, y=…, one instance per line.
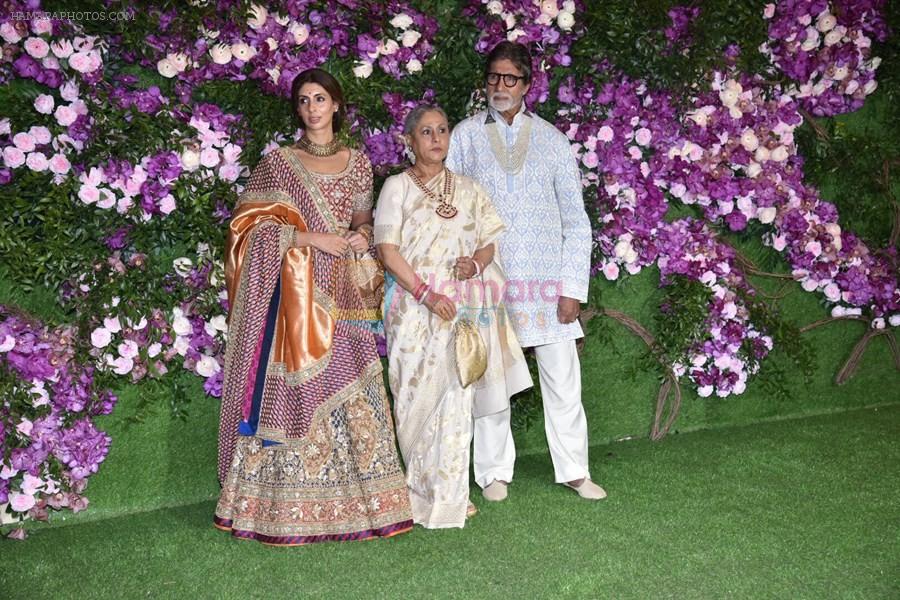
x=320, y=150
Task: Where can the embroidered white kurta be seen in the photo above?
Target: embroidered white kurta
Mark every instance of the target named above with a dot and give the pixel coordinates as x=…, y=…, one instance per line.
x=546, y=249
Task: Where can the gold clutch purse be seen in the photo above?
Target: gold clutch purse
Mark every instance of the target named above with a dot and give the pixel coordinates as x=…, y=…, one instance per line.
x=471, y=353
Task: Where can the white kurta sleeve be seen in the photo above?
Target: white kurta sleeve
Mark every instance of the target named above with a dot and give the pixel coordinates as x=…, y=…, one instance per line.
x=454, y=160
x=389, y=212
x=576, y=227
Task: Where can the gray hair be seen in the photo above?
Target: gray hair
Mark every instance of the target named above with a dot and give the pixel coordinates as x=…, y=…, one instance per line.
x=416, y=114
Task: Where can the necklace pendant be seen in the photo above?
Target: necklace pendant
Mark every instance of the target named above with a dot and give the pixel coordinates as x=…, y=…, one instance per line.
x=447, y=211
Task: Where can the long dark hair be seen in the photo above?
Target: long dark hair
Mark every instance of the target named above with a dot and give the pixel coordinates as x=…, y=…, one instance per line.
x=331, y=85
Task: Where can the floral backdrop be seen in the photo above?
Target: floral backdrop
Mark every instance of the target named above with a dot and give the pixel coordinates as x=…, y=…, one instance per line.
x=128, y=129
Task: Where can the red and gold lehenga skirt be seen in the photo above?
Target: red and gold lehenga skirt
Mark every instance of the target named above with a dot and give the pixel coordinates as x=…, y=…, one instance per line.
x=307, y=448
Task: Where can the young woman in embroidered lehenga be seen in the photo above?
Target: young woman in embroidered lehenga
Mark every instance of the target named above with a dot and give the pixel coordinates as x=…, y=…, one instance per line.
x=306, y=441
x=435, y=232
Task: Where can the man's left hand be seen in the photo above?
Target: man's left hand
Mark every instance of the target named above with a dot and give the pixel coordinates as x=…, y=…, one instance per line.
x=567, y=310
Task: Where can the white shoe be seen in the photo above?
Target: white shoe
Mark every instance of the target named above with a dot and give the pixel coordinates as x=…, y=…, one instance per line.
x=495, y=491
x=588, y=490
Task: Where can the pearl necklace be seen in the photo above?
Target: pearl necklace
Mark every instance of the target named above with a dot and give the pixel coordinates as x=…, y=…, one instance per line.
x=444, y=206
x=320, y=150
x=511, y=160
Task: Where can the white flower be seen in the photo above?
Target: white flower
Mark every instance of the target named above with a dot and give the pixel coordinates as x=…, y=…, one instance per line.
x=832, y=292
x=221, y=54
x=833, y=37
x=179, y=60
x=779, y=154
x=182, y=266
x=274, y=73
x=128, y=349
x=219, y=323
x=622, y=248
x=825, y=22
x=894, y=320
x=113, y=324
x=705, y=391
x=190, y=160
x=362, y=69
x=762, y=154
x=281, y=19
x=300, y=32
x=402, y=21
x=878, y=323
x=242, y=51
x=207, y=366
x=165, y=68
x=414, y=66
x=389, y=47
x=100, y=337
x=121, y=365
x=515, y=34
x=410, y=37
x=768, y=11
x=154, y=349
x=749, y=141
x=181, y=345
x=565, y=20
x=494, y=7
x=766, y=215
x=549, y=8
x=257, y=16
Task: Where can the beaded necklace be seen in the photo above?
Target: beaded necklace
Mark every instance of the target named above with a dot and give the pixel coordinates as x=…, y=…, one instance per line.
x=444, y=206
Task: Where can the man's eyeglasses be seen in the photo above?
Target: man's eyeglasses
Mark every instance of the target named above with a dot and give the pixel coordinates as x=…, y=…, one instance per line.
x=509, y=80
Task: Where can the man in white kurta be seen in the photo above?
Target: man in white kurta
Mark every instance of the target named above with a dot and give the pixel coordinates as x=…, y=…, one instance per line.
x=528, y=169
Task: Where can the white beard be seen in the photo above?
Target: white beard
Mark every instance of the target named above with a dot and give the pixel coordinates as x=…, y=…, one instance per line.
x=501, y=104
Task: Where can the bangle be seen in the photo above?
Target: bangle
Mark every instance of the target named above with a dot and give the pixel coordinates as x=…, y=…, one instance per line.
x=425, y=291
x=477, y=267
x=420, y=291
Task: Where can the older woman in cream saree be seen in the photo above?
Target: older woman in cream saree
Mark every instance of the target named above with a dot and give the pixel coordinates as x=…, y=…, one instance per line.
x=435, y=232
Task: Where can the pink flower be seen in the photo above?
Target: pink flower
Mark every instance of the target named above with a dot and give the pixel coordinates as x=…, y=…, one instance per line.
x=13, y=157
x=9, y=33
x=40, y=134
x=59, y=164
x=768, y=11
x=44, y=104
x=24, y=427
x=121, y=365
x=611, y=271
x=24, y=142
x=65, y=115
x=605, y=134
x=69, y=91
x=77, y=503
x=8, y=343
x=81, y=62
x=643, y=136
x=61, y=48
x=107, y=199
x=590, y=160
x=88, y=194
x=36, y=161
x=7, y=472
x=166, y=204
x=229, y=172
x=30, y=483
x=18, y=533
x=36, y=47
x=21, y=502
x=42, y=25
x=832, y=292
x=209, y=157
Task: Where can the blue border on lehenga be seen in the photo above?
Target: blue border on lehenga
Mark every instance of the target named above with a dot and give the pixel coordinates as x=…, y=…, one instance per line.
x=250, y=426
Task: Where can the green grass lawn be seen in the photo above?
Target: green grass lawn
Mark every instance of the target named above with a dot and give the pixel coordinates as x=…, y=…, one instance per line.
x=806, y=508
